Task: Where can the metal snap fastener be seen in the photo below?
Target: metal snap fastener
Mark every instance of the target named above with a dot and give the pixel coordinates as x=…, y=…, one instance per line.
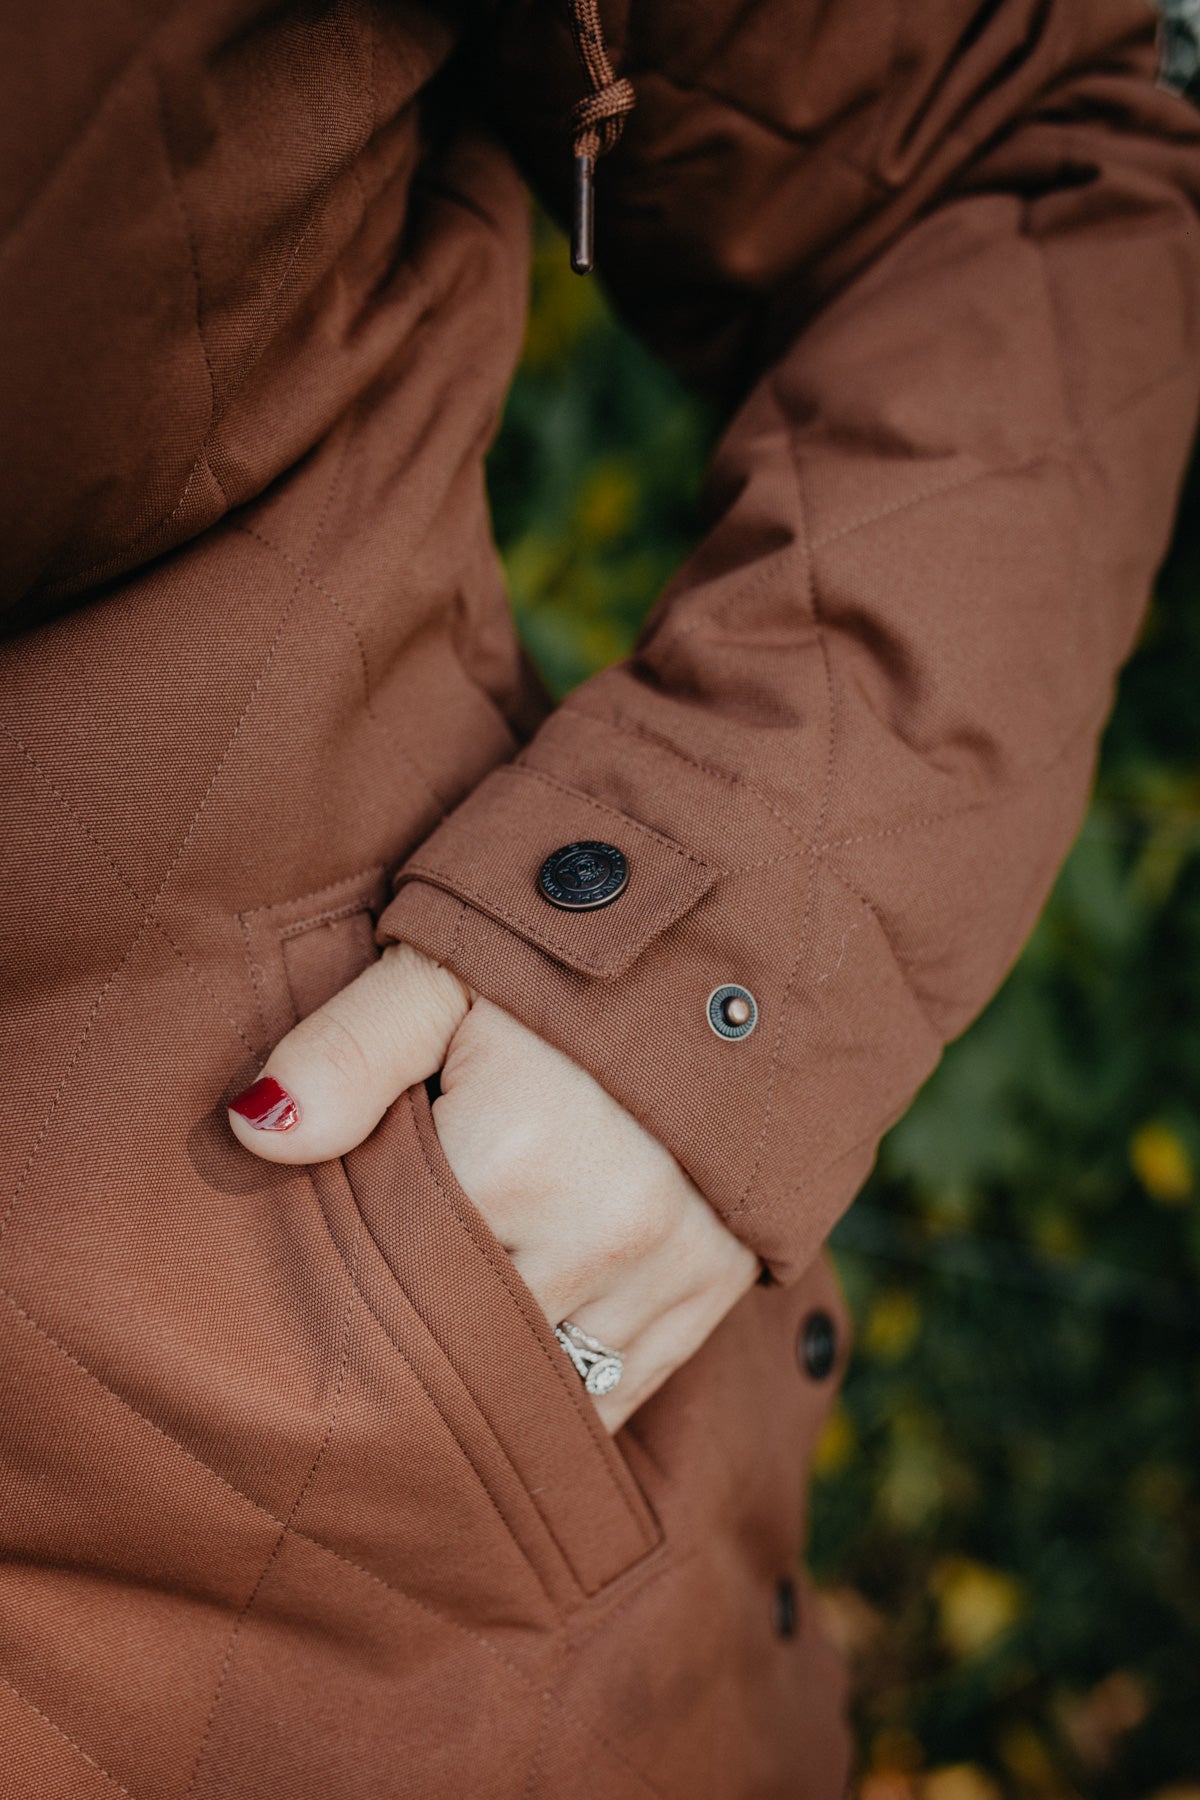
x=732, y=1011
x=580, y=877
x=818, y=1345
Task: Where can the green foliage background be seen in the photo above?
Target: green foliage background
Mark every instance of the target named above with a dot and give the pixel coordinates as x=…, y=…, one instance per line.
x=1007, y=1511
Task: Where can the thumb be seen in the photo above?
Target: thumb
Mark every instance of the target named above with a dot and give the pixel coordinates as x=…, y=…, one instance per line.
x=327, y=1084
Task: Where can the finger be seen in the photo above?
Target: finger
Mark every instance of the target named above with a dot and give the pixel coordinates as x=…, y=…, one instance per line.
x=698, y=1265
x=556, y=1280
x=325, y=1086
x=650, y=1360
x=667, y=1337
x=629, y=1298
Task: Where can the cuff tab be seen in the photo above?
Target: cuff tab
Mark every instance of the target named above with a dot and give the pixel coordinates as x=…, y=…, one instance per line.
x=492, y=849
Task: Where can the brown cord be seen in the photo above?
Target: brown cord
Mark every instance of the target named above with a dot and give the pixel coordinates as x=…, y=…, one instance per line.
x=598, y=120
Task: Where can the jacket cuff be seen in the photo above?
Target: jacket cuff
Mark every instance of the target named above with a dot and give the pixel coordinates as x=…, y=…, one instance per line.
x=489, y=852
x=623, y=991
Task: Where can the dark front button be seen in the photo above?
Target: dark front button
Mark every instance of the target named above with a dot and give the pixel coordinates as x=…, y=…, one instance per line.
x=786, y=1609
x=818, y=1345
x=580, y=877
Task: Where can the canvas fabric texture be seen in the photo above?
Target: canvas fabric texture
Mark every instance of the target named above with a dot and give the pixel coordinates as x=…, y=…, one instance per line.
x=297, y=1497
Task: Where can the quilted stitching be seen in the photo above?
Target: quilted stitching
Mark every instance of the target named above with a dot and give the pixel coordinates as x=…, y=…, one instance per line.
x=347, y=1562
x=66, y=1738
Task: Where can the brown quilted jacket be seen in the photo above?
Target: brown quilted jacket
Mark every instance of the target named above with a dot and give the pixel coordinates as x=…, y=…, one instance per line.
x=296, y=1495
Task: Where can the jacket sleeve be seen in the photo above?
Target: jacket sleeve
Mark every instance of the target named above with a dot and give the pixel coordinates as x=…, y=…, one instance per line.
x=952, y=278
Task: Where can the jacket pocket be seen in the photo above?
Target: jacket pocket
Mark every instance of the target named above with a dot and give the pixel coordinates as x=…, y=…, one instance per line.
x=446, y=1293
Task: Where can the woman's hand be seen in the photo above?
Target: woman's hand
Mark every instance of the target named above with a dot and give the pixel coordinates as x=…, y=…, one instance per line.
x=601, y=1221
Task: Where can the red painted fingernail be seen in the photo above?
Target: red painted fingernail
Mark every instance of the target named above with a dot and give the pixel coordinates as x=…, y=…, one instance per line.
x=266, y=1105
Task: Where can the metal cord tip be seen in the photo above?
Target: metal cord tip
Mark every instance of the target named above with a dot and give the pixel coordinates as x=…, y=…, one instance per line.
x=582, y=215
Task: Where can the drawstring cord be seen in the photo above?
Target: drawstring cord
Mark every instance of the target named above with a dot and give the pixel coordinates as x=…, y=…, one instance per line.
x=597, y=121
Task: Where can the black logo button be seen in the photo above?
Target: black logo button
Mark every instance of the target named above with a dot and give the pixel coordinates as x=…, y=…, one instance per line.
x=579, y=877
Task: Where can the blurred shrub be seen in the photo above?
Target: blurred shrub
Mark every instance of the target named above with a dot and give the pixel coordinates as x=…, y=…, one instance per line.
x=594, y=478
x=1006, y=1515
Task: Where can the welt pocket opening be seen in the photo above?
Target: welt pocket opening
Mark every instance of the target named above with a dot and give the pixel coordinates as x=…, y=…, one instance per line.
x=493, y=1367
x=473, y=1302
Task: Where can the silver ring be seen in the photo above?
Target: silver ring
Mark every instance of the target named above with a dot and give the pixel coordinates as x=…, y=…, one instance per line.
x=598, y=1367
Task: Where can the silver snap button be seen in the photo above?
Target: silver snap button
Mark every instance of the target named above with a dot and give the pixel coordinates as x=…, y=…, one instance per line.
x=732, y=1011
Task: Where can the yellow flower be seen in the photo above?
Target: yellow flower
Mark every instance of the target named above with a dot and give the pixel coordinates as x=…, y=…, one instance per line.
x=606, y=503
x=1029, y=1760
x=835, y=1446
x=892, y=1325
x=976, y=1605
x=959, y=1781
x=1161, y=1163
x=912, y=1488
